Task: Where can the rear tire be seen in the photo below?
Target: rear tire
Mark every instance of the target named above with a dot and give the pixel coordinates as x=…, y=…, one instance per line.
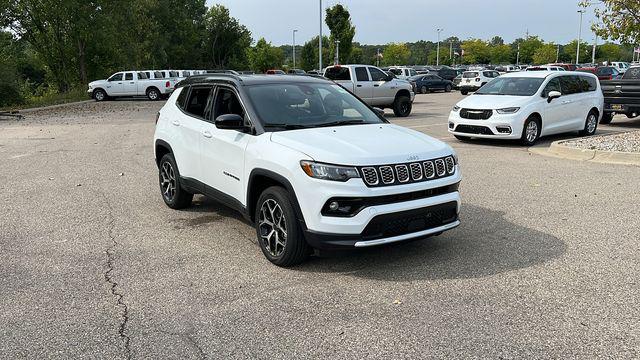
x=590, y=124
x=530, y=131
x=279, y=233
x=464, y=92
x=424, y=90
x=606, y=118
x=447, y=88
x=172, y=191
x=153, y=94
x=402, y=106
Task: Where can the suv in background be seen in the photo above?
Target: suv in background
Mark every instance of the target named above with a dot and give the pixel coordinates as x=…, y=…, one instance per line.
x=374, y=86
x=302, y=159
x=620, y=66
x=607, y=73
x=402, y=72
x=474, y=80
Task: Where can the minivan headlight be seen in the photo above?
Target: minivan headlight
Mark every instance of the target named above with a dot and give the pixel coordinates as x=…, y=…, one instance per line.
x=329, y=172
x=509, y=110
x=456, y=108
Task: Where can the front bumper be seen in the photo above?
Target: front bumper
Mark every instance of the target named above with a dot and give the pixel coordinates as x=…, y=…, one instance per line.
x=496, y=127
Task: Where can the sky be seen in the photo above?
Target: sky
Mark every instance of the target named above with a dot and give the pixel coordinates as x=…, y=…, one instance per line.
x=380, y=22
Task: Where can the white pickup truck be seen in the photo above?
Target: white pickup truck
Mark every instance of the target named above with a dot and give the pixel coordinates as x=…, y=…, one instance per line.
x=130, y=83
x=374, y=86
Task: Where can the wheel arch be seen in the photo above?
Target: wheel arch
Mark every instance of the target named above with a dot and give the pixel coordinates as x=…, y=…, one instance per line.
x=405, y=92
x=161, y=149
x=152, y=87
x=260, y=180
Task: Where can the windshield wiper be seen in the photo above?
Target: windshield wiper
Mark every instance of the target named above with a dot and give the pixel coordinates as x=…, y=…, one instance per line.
x=339, y=123
x=286, y=126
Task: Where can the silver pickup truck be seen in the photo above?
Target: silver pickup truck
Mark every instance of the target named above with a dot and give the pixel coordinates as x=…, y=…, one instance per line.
x=374, y=86
x=129, y=84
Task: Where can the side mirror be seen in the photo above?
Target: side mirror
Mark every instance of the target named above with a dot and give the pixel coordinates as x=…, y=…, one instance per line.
x=230, y=122
x=553, y=95
x=379, y=111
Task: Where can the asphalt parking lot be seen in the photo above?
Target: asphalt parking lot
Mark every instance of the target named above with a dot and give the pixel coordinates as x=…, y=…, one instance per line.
x=546, y=263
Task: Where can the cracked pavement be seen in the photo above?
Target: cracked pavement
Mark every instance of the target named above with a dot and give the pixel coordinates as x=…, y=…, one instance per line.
x=93, y=265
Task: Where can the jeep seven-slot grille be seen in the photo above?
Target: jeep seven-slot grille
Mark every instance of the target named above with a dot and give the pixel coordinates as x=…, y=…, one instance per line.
x=407, y=173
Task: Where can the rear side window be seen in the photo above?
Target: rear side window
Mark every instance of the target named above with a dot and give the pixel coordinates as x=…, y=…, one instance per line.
x=361, y=74
x=158, y=75
x=588, y=83
x=173, y=74
x=181, y=100
x=570, y=85
x=337, y=73
x=377, y=74
x=128, y=76
x=198, y=101
x=142, y=76
x=470, y=74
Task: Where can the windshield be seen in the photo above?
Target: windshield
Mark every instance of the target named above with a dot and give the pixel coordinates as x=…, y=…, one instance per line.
x=515, y=86
x=307, y=105
x=396, y=71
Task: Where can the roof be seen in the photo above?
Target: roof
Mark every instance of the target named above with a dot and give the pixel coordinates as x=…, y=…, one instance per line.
x=541, y=74
x=251, y=79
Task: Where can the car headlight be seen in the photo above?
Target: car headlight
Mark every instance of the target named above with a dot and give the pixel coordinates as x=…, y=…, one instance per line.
x=456, y=108
x=329, y=172
x=510, y=110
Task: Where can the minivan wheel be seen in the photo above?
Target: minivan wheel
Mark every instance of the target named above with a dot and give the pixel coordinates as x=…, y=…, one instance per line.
x=153, y=94
x=590, y=125
x=530, y=131
x=169, y=177
x=100, y=95
x=606, y=118
x=279, y=234
x=402, y=106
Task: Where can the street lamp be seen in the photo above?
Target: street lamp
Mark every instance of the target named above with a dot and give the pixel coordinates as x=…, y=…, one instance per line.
x=438, y=49
x=579, y=36
x=320, y=42
x=337, y=59
x=294, y=48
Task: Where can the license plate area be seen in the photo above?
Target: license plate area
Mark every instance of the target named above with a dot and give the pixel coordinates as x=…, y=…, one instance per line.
x=617, y=107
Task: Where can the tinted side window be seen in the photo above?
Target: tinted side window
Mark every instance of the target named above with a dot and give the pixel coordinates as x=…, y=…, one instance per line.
x=158, y=75
x=377, y=75
x=116, y=77
x=587, y=83
x=128, y=76
x=570, y=85
x=197, y=103
x=180, y=101
x=337, y=73
x=227, y=103
x=142, y=76
x=361, y=74
x=553, y=85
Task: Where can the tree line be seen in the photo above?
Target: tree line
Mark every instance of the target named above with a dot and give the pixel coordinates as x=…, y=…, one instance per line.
x=54, y=46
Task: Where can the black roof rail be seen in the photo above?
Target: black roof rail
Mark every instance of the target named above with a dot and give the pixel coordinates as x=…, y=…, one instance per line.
x=233, y=72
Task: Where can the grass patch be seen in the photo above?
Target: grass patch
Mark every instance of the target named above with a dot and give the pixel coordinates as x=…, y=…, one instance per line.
x=50, y=99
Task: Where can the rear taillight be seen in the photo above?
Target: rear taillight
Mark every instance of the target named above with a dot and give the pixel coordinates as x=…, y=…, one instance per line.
x=157, y=117
x=168, y=84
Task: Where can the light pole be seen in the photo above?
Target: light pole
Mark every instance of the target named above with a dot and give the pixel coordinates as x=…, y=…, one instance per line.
x=593, y=51
x=294, y=48
x=579, y=36
x=518, y=55
x=438, y=48
x=558, y=53
x=337, y=59
x=320, y=42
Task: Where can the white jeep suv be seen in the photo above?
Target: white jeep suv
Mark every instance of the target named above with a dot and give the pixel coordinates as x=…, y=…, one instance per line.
x=310, y=164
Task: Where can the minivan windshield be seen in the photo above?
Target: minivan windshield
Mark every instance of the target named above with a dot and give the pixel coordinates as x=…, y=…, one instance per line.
x=515, y=86
x=308, y=105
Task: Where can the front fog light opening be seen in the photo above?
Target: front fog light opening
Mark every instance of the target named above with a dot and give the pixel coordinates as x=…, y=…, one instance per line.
x=503, y=129
x=451, y=125
x=333, y=206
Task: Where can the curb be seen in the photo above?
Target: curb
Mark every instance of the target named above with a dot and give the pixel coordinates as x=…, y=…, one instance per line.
x=30, y=110
x=600, y=156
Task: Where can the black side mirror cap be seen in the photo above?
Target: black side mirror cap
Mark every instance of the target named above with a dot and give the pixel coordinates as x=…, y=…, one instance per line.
x=379, y=111
x=230, y=122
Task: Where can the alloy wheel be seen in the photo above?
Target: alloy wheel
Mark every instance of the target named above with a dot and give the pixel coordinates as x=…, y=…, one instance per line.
x=532, y=131
x=272, y=225
x=592, y=122
x=168, y=181
x=99, y=95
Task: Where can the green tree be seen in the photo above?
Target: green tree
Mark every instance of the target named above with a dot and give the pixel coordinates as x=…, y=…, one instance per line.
x=620, y=20
x=569, y=51
x=476, y=51
x=396, y=54
x=500, y=54
x=264, y=56
x=496, y=41
x=338, y=20
x=608, y=52
x=309, y=54
x=227, y=40
x=528, y=47
x=545, y=54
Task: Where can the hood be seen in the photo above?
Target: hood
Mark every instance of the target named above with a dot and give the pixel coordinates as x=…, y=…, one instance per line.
x=372, y=144
x=493, y=101
x=97, y=82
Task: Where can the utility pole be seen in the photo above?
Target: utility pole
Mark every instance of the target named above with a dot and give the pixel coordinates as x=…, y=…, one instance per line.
x=337, y=59
x=579, y=36
x=558, y=53
x=593, y=51
x=438, y=49
x=450, y=50
x=320, y=42
x=294, y=48
x=518, y=55
x=378, y=58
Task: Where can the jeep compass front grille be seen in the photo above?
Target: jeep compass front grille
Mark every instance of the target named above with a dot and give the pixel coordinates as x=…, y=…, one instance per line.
x=407, y=173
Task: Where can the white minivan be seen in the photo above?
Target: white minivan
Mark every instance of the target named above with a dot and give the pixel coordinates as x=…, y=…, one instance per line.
x=528, y=105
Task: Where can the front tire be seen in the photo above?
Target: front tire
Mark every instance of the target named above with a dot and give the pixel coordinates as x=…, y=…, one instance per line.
x=590, y=124
x=279, y=233
x=402, y=106
x=464, y=92
x=530, y=131
x=447, y=88
x=99, y=95
x=424, y=90
x=153, y=94
x=606, y=118
x=172, y=191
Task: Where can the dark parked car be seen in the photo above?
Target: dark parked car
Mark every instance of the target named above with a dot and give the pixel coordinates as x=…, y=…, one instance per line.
x=622, y=96
x=429, y=82
x=456, y=82
x=607, y=73
x=447, y=73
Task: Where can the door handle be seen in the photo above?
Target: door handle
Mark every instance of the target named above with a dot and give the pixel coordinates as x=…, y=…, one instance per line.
x=567, y=102
x=132, y=82
x=359, y=85
x=176, y=122
x=207, y=134
x=376, y=85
